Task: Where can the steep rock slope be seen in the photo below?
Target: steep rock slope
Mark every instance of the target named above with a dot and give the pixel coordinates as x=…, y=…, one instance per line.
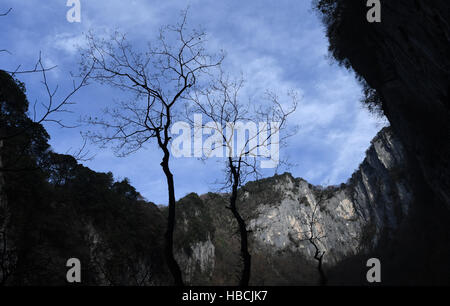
x=351, y=219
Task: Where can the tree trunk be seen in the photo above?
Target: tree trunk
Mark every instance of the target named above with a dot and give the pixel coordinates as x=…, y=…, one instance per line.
x=319, y=257
x=171, y=262
x=323, y=278
x=246, y=258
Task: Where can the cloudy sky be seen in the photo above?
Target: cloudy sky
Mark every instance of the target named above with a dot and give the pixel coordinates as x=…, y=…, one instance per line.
x=277, y=45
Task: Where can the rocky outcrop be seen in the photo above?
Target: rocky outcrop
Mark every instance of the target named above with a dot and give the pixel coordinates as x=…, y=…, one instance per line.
x=350, y=219
x=199, y=260
x=194, y=234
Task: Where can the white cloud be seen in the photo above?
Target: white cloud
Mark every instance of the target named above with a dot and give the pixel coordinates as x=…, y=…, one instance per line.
x=278, y=46
x=67, y=42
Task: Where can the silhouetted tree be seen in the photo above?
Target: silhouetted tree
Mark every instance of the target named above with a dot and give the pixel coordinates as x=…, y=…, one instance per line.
x=314, y=239
x=159, y=78
x=314, y=232
x=222, y=104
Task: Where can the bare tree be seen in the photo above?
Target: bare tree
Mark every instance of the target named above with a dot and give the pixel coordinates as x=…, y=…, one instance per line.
x=314, y=233
x=314, y=239
x=230, y=116
x=159, y=79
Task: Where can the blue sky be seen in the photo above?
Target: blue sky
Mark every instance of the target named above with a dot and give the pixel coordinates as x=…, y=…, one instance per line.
x=277, y=45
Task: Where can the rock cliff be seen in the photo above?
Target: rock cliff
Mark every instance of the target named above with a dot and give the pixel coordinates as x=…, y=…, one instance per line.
x=350, y=219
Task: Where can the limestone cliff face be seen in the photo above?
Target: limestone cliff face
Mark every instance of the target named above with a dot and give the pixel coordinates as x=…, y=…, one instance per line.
x=405, y=58
x=199, y=261
x=350, y=219
x=194, y=247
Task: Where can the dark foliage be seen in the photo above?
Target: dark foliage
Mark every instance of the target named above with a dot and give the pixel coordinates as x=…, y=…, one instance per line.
x=56, y=209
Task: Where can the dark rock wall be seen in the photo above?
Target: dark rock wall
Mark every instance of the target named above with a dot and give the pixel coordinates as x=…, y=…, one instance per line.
x=406, y=59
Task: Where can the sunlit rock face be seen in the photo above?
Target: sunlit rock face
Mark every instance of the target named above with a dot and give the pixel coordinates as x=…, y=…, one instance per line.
x=350, y=219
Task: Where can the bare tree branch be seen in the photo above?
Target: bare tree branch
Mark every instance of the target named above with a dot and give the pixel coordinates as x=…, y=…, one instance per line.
x=52, y=105
x=82, y=154
x=6, y=13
